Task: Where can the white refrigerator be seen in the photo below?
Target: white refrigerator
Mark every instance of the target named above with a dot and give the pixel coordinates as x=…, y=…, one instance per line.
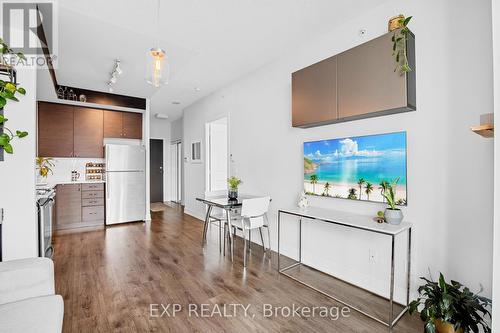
x=125, y=183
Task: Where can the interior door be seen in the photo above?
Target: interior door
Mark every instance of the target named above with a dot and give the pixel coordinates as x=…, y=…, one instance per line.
x=156, y=170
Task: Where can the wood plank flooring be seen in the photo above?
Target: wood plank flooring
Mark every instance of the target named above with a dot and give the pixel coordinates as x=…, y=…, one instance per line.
x=109, y=277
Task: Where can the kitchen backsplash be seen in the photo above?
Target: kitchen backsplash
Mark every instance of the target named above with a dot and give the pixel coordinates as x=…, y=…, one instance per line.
x=63, y=167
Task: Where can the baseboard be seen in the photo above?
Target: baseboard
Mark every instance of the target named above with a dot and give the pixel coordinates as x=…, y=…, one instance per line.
x=193, y=214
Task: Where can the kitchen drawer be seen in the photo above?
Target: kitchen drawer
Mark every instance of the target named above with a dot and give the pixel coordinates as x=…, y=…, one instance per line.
x=93, y=213
x=92, y=187
x=92, y=194
x=93, y=202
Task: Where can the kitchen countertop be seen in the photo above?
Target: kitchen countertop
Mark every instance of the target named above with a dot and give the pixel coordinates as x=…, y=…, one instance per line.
x=54, y=183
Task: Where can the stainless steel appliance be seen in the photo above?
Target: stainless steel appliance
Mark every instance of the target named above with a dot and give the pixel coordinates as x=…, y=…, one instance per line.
x=125, y=183
x=45, y=201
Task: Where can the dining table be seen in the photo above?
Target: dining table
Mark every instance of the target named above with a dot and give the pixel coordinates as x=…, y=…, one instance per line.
x=230, y=208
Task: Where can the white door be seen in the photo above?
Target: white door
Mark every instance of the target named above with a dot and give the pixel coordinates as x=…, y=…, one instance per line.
x=217, y=155
x=176, y=173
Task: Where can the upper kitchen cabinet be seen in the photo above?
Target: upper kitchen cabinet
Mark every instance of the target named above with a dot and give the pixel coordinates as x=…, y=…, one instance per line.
x=88, y=132
x=368, y=86
x=358, y=83
x=122, y=125
x=314, y=94
x=132, y=125
x=55, y=130
x=113, y=124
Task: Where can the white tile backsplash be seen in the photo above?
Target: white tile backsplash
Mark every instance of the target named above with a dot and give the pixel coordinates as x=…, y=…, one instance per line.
x=63, y=167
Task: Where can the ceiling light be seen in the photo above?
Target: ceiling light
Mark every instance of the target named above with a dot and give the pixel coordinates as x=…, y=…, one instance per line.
x=197, y=89
x=157, y=71
x=161, y=116
x=176, y=102
x=112, y=79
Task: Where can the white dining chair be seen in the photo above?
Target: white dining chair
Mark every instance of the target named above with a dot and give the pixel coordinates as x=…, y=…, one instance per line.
x=216, y=215
x=253, y=216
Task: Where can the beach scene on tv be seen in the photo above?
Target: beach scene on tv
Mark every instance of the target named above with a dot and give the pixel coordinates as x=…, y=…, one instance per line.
x=356, y=168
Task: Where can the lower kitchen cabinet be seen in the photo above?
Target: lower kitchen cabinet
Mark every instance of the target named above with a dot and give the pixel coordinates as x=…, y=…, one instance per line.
x=79, y=205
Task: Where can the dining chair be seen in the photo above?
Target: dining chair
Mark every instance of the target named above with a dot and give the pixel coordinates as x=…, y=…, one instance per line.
x=253, y=216
x=215, y=215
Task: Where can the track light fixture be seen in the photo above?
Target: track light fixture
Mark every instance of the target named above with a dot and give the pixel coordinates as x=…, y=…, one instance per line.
x=114, y=75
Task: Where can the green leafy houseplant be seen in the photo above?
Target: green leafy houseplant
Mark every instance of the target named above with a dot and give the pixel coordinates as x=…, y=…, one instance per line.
x=446, y=304
x=399, y=46
x=8, y=92
x=389, y=194
x=234, y=182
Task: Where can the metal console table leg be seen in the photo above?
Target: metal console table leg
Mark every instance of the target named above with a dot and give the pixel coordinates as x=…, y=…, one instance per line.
x=392, y=320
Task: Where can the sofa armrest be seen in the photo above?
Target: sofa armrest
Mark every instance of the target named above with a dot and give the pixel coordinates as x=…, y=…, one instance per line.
x=26, y=278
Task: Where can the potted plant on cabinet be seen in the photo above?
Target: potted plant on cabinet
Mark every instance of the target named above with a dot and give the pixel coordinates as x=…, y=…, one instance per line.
x=392, y=214
x=451, y=308
x=233, y=183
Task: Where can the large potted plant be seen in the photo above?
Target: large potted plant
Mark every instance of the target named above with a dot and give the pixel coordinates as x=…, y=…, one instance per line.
x=450, y=307
x=233, y=183
x=392, y=214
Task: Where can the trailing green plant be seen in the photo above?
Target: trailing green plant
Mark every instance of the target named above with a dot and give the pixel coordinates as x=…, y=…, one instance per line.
x=8, y=92
x=389, y=193
x=234, y=182
x=451, y=303
x=399, y=46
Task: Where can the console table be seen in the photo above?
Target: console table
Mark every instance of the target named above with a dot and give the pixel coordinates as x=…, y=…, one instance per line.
x=355, y=221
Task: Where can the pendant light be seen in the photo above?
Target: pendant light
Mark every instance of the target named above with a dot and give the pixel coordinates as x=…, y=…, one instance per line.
x=157, y=73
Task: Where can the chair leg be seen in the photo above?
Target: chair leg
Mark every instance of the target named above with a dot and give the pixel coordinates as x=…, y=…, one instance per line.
x=244, y=248
x=269, y=240
x=249, y=240
x=225, y=235
x=220, y=240
x=262, y=239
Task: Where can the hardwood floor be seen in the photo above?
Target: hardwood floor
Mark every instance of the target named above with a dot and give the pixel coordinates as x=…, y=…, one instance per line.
x=109, y=277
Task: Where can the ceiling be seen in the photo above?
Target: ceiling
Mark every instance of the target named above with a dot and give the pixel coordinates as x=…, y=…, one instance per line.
x=208, y=43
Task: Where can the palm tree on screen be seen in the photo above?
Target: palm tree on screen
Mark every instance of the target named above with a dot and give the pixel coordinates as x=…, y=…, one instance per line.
x=361, y=182
x=326, y=189
x=368, y=189
x=314, y=181
x=352, y=194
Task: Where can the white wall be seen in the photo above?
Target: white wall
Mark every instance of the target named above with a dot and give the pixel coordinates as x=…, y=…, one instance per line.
x=161, y=129
x=496, y=235
x=17, y=175
x=450, y=169
x=176, y=134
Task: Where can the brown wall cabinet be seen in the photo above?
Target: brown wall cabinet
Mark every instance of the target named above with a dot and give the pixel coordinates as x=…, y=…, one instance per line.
x=126, y=125
x=72, y=131
x=88, y=132
x=55, y=130
x=358, y=83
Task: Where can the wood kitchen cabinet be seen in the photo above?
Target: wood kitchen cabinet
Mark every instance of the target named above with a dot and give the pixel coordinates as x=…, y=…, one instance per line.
x=132, y=125
x=69, y=206
x=55, y=130
x=88, y=132
x=74, y=131
x=122, y=125
x=314, y=93
x=113, y=124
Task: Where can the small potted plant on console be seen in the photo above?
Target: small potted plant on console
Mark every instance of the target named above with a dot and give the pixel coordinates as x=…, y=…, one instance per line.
x=392, y=214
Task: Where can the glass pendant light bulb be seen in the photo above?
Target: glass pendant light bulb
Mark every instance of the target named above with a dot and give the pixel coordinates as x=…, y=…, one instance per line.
x=157, y=68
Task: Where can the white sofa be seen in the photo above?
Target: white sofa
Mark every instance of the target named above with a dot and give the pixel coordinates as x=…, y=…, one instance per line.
x=27, y=299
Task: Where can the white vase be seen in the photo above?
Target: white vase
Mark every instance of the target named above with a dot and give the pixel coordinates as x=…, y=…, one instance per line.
x=393, y=216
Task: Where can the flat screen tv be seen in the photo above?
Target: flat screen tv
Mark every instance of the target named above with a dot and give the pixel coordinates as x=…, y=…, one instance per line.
x=356, y=167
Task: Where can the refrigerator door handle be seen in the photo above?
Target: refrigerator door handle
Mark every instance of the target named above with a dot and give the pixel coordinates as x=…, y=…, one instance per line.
x=107, y=187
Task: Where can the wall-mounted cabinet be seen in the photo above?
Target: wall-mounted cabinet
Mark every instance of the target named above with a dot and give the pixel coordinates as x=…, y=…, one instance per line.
x=358, y=83
x=72, y=131
x=126, y=125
